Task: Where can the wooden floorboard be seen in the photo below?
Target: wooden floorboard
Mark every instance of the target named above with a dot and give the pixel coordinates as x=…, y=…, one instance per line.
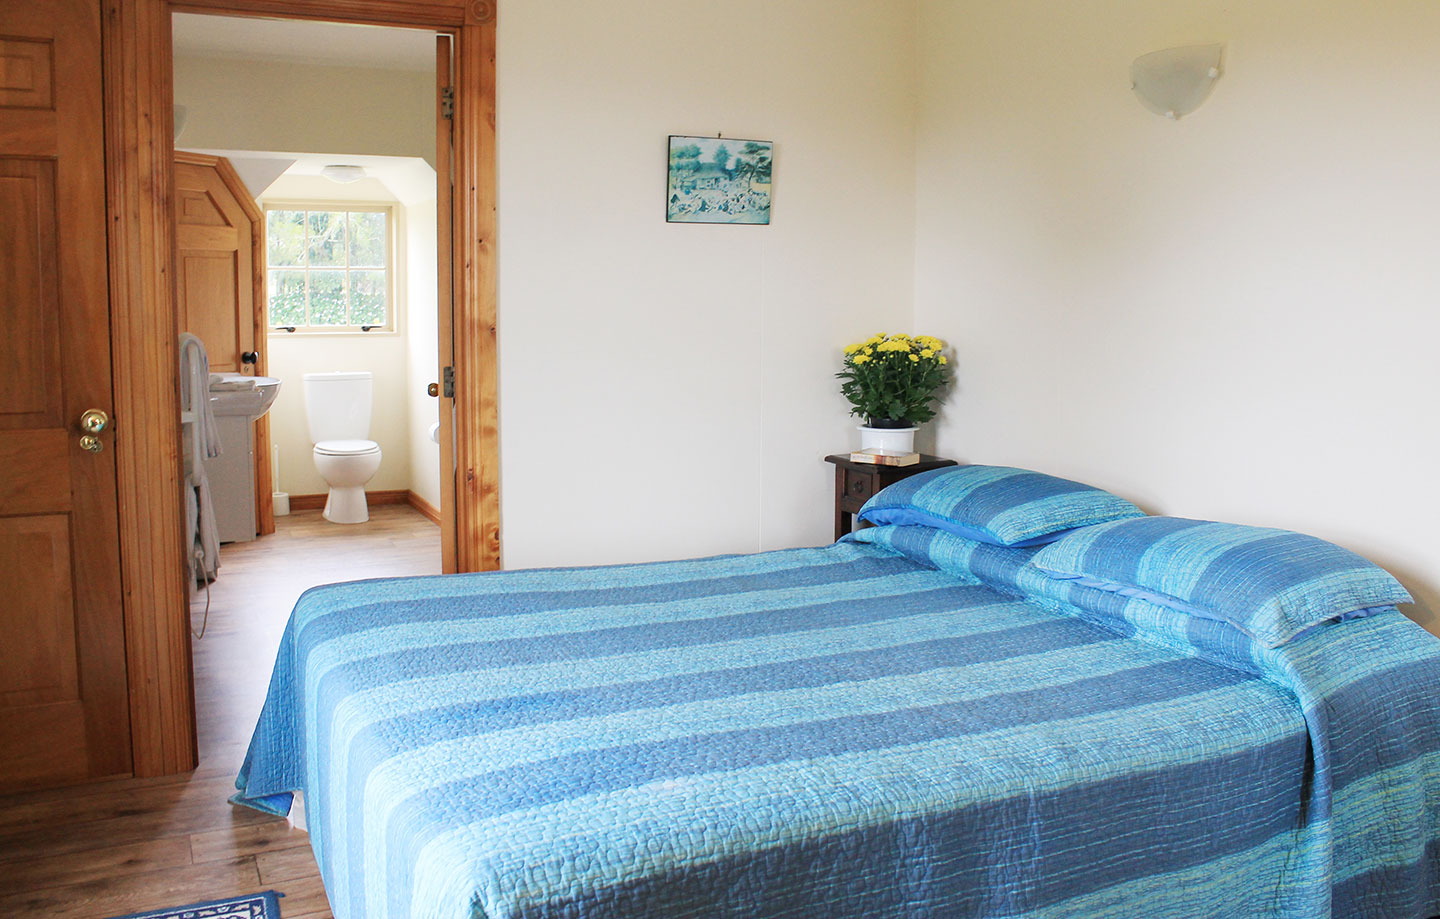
x=126, y=845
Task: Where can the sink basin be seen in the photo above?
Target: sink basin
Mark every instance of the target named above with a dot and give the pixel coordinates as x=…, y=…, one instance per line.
x=252, y=403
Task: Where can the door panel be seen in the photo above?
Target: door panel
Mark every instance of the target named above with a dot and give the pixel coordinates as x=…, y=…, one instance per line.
x=214, y=270
x=64, y=713
x=209, y=278
x=30, y=347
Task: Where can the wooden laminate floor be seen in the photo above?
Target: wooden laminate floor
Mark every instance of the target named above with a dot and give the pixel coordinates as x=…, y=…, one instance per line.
x=126, y=845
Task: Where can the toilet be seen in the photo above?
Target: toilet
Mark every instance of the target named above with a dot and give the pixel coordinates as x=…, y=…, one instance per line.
x=337, y=409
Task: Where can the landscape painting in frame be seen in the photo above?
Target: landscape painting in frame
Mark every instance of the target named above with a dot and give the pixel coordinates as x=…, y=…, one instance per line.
x=718, y=180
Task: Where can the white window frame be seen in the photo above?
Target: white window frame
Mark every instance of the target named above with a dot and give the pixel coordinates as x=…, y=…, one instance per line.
x=391, y=323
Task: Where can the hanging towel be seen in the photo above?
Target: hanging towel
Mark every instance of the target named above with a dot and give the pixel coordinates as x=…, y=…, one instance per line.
x=195, y=392
x=201, y=442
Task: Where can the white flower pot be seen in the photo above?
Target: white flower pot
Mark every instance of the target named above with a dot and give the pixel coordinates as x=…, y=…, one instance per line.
x=890, y=440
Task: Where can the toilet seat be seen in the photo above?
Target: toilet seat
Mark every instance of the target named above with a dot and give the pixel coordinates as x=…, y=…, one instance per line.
x=346, y=447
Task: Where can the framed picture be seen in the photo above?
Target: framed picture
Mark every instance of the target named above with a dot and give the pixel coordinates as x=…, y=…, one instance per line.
x=718, y=180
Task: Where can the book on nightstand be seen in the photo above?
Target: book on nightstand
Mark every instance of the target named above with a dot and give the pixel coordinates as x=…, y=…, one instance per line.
x=882, y=458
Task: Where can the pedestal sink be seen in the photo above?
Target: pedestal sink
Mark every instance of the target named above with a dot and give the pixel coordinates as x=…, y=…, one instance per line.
x=232, y=473
x=252, y=403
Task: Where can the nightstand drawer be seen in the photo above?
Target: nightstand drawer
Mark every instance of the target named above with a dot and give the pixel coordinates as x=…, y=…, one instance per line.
x=856, y=483
x=859, y=487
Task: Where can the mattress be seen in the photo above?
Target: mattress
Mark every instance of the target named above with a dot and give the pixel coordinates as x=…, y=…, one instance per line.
x=889, y=726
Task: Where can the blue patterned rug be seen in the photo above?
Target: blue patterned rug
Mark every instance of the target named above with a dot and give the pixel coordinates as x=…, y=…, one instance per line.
x=254, y=906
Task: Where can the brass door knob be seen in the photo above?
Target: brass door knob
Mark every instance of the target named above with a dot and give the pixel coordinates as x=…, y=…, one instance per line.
x=433, y=389
x=91, y=444
x=94, y=420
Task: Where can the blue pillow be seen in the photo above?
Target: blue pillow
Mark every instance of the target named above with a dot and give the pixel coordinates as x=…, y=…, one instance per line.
x=995, y=504
x=1270, y=584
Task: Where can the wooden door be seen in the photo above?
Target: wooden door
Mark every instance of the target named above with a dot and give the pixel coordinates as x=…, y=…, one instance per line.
x=64, y=713
x=220, y=285
x=445, y=270
x=215, y=265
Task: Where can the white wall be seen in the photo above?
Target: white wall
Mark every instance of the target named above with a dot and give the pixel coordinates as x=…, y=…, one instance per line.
x=292, y=355
x=1232, y=316
x=666, y=390
x=421, y=349
x=275, y=105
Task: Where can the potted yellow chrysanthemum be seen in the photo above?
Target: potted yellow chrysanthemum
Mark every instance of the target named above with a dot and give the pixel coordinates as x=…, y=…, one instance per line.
x=891, y=381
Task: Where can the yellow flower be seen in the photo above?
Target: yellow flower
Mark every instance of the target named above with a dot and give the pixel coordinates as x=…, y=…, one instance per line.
x=859, y=359
x=927, y=353
x=869, y=351
x=851, y=349
x=914, y=358
x=942, y=359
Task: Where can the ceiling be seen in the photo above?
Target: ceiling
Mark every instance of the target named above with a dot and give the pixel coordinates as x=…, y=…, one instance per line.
x=408, y=178
x=329, y=44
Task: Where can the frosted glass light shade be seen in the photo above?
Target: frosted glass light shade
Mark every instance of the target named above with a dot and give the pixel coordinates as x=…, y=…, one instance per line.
x=1176, y=81
x=182, y=114
x=344, y=174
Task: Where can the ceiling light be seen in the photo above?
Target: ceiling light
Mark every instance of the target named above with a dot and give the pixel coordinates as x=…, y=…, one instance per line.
x=1176, y=81
x=338, y=172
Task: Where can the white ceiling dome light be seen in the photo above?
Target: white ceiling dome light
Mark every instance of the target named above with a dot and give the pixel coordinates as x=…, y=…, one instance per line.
x=343, y=173
x=1176, y=81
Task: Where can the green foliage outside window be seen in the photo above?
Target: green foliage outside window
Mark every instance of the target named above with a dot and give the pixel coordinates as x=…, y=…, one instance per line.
x=327, y=268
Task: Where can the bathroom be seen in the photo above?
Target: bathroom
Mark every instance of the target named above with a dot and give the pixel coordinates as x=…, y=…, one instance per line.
x=349, y=311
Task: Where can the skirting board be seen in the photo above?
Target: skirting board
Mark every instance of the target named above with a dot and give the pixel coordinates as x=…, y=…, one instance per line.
x=373, y=498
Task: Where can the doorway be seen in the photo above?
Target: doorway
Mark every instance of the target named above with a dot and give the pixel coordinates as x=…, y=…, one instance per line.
x=308, y=205
x=139, y=124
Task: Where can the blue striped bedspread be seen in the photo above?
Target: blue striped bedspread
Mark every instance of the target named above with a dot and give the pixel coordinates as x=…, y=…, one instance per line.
x=899, y=725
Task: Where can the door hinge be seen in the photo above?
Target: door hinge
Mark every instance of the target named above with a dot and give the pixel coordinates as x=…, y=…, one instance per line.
x=447, y=382
x=447, y=103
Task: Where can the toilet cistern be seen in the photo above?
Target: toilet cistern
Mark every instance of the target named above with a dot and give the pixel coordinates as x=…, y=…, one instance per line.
x=337, y=412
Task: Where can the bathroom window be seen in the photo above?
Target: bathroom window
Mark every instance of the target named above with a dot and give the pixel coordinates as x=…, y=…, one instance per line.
x=329, y=268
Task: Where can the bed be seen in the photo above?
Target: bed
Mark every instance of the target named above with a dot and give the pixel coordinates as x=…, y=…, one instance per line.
x=909, y=723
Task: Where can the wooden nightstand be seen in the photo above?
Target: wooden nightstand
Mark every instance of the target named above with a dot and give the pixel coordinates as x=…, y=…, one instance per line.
x=855, y=483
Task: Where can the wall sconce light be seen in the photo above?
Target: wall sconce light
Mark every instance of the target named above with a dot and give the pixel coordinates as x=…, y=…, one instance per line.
x=182, y=114
x=1176, y=81
x=344, y=174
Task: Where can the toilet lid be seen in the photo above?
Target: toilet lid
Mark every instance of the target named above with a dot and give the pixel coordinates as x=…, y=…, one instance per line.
x=346, y=447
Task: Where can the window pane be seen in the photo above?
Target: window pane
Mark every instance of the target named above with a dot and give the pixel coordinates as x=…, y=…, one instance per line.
x=287, y=298
x=285, y=237
x=327, y=297
x=367, y=239
x=327, y=238
x=367, y=297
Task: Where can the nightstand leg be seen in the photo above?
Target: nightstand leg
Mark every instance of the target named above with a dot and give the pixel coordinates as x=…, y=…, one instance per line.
x=842, y=519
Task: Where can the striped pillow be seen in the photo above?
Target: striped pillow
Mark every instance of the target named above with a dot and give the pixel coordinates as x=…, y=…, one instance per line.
x=995, y=504
x=1270, y=584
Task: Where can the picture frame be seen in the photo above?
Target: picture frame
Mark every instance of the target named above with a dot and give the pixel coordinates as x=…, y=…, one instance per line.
x=718, y=180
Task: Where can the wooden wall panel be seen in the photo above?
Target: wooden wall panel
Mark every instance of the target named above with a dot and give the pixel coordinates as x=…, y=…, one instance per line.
x=139, y=123
x=477, y=452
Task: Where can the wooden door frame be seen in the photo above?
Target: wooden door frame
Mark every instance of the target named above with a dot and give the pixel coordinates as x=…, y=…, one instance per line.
x=139, y=152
